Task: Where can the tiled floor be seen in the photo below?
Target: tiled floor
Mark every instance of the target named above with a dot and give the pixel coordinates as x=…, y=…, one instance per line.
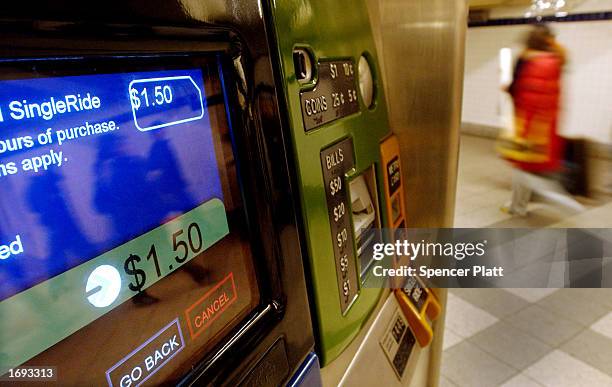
x=484, y=185
x=523, y=337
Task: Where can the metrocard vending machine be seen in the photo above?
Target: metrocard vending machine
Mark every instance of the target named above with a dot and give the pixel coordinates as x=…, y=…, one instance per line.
x=350, y=185
x=347, y=161
x=190, y=191
x=149, y=228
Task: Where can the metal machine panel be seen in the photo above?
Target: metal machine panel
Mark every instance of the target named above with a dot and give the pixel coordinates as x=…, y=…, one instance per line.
x=422, y=56
x=422, y=53
x=331, y=33
x=389, y=347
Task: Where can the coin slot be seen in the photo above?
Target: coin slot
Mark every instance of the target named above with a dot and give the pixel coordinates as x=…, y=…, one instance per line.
x=302, y=64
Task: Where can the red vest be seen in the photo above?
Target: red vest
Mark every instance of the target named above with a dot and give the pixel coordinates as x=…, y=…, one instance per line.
x=536, y=92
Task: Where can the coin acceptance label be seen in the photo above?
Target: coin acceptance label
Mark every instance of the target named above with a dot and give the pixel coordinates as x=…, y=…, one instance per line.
x=334, y=96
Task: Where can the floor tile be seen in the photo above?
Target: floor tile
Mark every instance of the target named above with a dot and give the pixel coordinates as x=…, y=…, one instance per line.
x=444, y=382
x=545, y=325
x=544, y=273
x=540, y=215
x=485, y=216
x=558, y=369
x=602, y=296
x=498, y=302
x=492, y=332
x=536, y=244
x=468, y=204
x=604, y=325
x=592, y=348
x=521, y=380
x=465, y=319
x=575, y=305
x=450, y=339
x=510, y=345
x=467, y=365
x=531, y=294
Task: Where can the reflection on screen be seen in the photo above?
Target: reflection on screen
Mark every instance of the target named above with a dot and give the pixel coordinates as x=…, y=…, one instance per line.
x=90, y=162
x=122, y=224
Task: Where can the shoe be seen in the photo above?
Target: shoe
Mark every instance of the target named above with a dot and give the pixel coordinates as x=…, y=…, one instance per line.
x=507, y=210
x=144, y=299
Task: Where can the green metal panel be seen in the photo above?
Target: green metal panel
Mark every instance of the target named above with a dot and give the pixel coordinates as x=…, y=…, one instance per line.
x=336, y=29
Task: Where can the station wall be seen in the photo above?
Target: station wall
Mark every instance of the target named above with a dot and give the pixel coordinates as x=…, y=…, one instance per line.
x=587, y=86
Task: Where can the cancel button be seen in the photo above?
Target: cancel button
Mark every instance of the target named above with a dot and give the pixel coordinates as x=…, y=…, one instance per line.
x=210, y=306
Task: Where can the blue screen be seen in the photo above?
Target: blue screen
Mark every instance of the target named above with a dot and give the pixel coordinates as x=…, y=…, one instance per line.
x=89, y=162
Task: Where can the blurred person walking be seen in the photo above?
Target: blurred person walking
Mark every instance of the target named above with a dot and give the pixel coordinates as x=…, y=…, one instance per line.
x=536, y=149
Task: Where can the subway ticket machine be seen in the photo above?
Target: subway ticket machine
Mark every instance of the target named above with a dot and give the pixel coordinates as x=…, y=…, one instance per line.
x=149, y=216
x=187, y=190
x=347, y=166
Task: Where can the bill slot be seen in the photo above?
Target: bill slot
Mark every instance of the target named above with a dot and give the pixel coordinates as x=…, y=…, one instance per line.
x=366, y=218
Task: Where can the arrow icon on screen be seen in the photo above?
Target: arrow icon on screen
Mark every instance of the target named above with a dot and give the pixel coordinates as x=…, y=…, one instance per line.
x=103, y=286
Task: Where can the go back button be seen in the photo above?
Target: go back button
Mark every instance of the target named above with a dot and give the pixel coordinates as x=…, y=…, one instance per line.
x=208, y=308
x=140, y=364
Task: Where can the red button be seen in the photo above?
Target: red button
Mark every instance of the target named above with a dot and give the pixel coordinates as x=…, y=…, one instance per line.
x=208, y=308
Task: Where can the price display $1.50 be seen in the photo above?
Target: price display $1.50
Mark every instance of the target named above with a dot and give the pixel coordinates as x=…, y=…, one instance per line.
x=184, y=243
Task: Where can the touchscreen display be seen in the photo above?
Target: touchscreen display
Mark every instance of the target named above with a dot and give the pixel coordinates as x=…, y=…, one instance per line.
x=121, y=223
